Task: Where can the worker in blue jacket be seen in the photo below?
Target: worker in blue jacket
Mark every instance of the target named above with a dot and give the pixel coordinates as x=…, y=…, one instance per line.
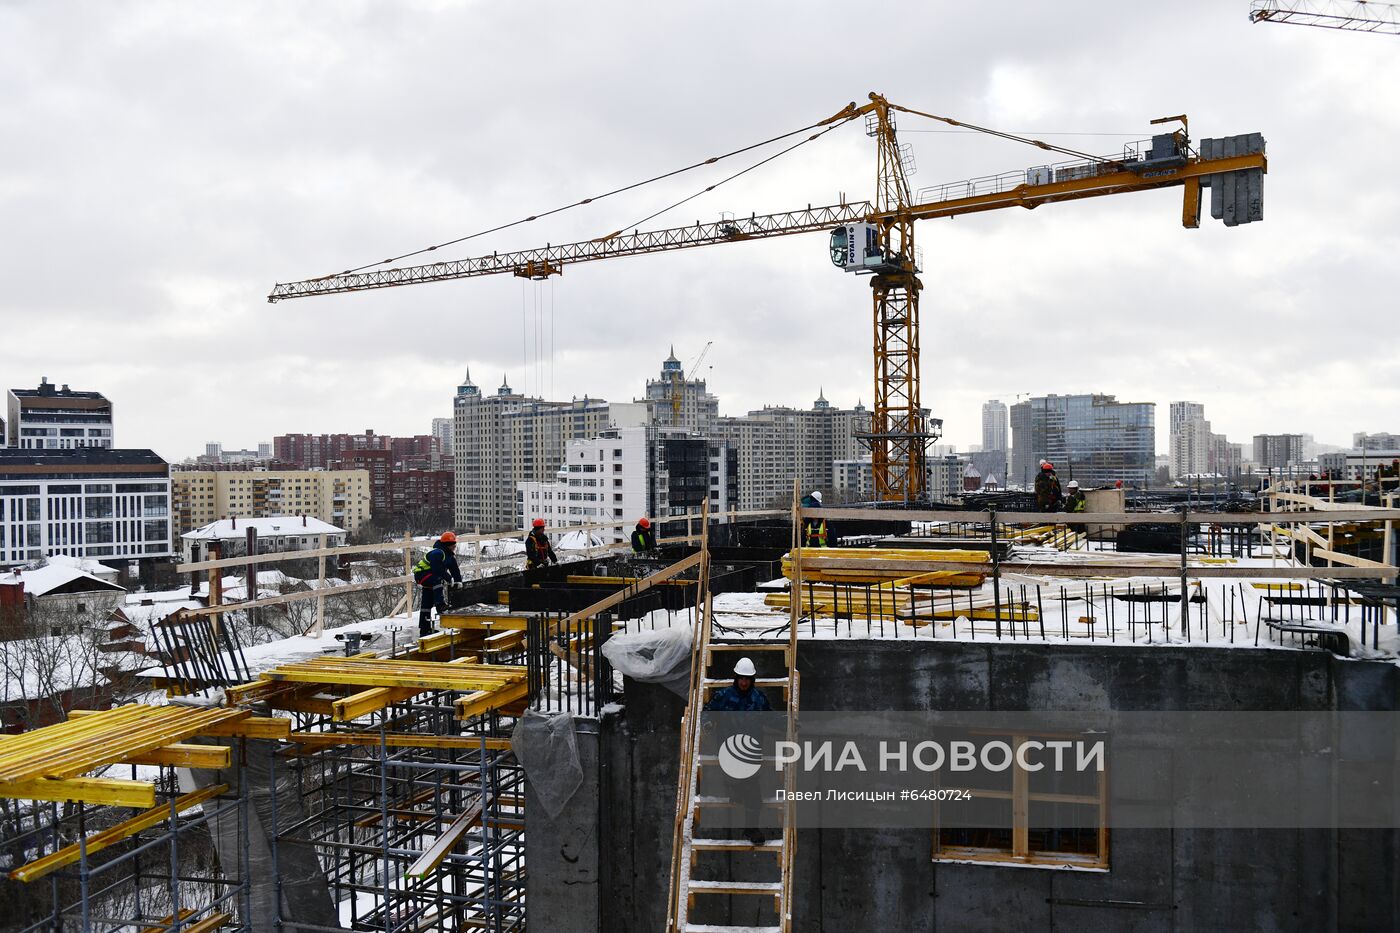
x=748, y=793
x=433, y=572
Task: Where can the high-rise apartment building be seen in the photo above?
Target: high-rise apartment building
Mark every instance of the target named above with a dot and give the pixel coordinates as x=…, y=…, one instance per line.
x=442, y=430
x=1095, y=439
x=1381, y=440
x=313, y=451
x=58, y=418
x=777, y=444
x=340, y=497
x=1194, y=449
x=995, y=426
x=1278, y=451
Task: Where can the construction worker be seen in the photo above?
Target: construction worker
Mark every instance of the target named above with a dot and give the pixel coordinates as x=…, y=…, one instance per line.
x=432, y=573
x=1075, y=502
x=643, y=537
x=813, y=529
x=1047, y=488
x=744, y=697
x=538, y=551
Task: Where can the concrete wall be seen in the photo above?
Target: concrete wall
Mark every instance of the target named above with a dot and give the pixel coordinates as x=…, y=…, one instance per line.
x=886, y=879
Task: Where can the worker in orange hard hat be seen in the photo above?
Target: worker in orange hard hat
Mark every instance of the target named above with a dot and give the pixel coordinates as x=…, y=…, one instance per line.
x=1047, y=488
x=643, y=537
x=433, y=573
x=538, y=550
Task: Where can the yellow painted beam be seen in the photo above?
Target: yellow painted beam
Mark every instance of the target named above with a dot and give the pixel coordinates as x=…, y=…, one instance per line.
x=486, y=621
x=181, y=755
x=105, y=791
x=111, y=836
x=477, y=704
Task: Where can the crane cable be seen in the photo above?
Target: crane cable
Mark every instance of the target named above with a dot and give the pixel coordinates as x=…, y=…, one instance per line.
x=723, y=181
x=597, y=197
x=1050, y=147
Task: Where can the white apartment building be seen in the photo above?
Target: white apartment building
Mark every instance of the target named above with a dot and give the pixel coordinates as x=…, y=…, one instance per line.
x=58, y=418
x=442, y=430
x=86, y=503
x=609, y=478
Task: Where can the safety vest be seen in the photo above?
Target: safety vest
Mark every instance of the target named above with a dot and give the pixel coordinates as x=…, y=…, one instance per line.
x=816, y=533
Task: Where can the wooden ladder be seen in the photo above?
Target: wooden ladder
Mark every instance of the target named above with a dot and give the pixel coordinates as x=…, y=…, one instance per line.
x=696, y=850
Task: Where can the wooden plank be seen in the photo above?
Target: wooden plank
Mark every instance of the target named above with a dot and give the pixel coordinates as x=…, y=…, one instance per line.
x=252, y=727
x=68, y=855
x=1099, y=518
x=433, y=855
x=105, y=791
x=485, y=621
x=295, y=597
x=168, y=921
x=180, y=755
x=476, y=705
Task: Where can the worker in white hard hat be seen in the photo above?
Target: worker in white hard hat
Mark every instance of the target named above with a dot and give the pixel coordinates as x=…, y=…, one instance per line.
x=813, y=529
x=1075, y=502
x=745, y=697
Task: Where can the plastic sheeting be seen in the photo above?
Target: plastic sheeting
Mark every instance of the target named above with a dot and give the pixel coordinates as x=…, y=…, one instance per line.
x=544, y=744
x=657, y=657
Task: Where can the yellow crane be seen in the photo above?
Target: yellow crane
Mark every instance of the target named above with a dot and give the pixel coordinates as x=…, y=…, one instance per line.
x=679, y=379
x=876, y=238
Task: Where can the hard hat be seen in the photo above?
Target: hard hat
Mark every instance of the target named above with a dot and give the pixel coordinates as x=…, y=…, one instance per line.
x=817, y=494
x=744, y=668
x=537, y=523
x=1046, y=465
x=1074, y=484
x=644, y=522
x=448, y=537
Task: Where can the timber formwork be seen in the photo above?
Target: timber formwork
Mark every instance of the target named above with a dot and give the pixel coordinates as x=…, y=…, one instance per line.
x=401, y=767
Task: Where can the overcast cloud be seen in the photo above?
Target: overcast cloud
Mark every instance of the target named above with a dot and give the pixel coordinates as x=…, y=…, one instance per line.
x=163, y=164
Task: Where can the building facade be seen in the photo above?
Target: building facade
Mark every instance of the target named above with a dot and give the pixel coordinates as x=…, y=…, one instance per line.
x=777, y=444
x=1381, y=440
x=58, y=418
x=673, y=401
x=1095, y=439
x=87, y=503
x=854, y=479
x=995, y=426
x=338, y=497
x=1277, y=451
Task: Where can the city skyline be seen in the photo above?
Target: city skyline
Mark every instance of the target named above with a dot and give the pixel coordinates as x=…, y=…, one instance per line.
x=175, y=268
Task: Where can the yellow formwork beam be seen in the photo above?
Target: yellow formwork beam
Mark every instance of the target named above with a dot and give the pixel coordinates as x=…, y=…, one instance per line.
x=102, y=791
x=480, y=703
x=180, y=755
x=485, y=621
x=383, y=672
x=88, y=741
x=111, y=836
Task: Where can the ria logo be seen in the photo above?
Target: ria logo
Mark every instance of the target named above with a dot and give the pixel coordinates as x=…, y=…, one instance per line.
x=740, y=756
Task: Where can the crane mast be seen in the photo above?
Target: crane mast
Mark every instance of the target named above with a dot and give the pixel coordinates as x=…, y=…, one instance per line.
x=899, y=434
x=877, y=238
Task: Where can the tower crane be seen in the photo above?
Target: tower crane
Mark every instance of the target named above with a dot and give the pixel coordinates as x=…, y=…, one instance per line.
x=1351, y=15
x=876, y=238
x=678, y=381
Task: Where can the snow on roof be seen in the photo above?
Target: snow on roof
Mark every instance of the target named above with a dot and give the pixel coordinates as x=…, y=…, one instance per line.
x=96, y=568
x=275, y=526
x=53, y=576
x=579, y=540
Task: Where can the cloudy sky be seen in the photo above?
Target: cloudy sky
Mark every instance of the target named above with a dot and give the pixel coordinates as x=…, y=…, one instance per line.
x=163, y=164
